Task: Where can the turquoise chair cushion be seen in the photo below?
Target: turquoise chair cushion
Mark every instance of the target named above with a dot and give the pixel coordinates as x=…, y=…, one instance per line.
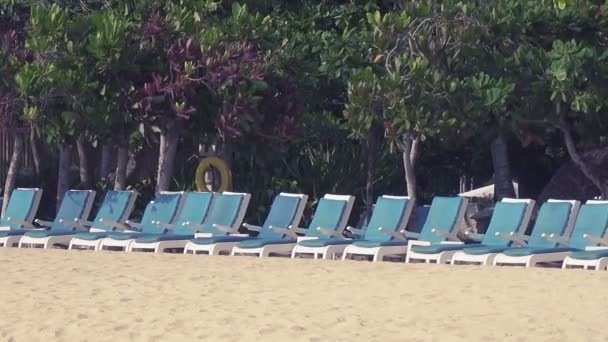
x=218, y=239
x=163, y=237
x=19, y=207
x=195, y=210
x=72, y=208
x=163, y=209
x=589, y=255
x=485, y=249
x=437, y=248
x=258, y=243
x=90, y=236
x=552, y=219
x=525, y=251
x=373, y=244
x=592, y=219
x=47, y=233
x=324, y=242
x=329, y=215
x=225, y=211
x=13, y=232
x=127, y=236
x=506, y=219
x=388, y=214
x=443, y=215
x=281, y=215
x=113, y=208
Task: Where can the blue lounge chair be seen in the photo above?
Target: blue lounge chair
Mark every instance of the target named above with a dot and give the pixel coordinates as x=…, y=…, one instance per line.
x=441, y=227
x=511, y=216
x=116, y=207
x=286, y=210
x=554, y=225
x=196, y=208
x=21, y=210
x=390, y=215
x=163, y=210
x=595, y=254
x=76, y=205
x=330, y=219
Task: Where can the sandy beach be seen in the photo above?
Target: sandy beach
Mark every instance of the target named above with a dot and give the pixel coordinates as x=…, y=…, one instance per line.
x=103, y=296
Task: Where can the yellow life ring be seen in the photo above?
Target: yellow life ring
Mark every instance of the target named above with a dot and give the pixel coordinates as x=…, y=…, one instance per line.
x=218, y=164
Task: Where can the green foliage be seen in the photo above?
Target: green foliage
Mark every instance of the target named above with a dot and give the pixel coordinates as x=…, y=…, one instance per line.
x=321, y=75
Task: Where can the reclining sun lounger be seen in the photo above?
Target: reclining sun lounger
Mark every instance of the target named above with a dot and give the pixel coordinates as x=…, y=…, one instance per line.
x=163, y=210
x=330, y=219
x=554, y=223
x=510, y=217
x=589, y=238
x=595, y=253
x=76, y=205
x=390, y=215
x=441, y=227
x=116, y=207
x=22, y=207
x=286, y=210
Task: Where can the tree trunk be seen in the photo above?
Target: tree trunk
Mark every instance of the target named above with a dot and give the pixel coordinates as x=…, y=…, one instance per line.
x=585, y=168
x=409, y=150
x=106, y=161
x=11, y=175
x=503, y=181
x=35, y=152
x=63, y=178
x=372, y=150
x=83, y=163
x=122, y=159
x=166, y=157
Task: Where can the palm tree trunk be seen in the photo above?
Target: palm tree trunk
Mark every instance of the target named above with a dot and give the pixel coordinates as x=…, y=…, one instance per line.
x=503, y=181
x=35, y=152
x=83, y=162
x=11, y=175
x=122, y=159
x=409, y=150
x=372, y=151
x=166, y=158
x=106, y=161
x=63, y=179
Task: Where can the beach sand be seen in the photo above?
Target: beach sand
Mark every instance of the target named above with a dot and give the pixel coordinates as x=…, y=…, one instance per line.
x=107, y=296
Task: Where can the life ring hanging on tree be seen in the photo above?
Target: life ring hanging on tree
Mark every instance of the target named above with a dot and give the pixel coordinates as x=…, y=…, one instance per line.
x=213, y=163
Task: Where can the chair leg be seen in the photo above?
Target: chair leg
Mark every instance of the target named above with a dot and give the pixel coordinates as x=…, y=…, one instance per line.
x=264, y=253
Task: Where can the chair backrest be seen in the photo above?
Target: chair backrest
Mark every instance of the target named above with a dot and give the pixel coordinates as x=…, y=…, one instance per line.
x=76, y=205
x=22, y=206
x=286, y=210
x=390, y=213
x=164, y=209
x=228, y=210
x=592, y=220
x=195, y=210
x=332, y=213
x=509, y=216
x=445, y=214
x=421, y=213
x=554, y=217
x=116, y=207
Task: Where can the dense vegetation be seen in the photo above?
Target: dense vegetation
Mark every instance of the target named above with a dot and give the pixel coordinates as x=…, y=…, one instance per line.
x=360, y=97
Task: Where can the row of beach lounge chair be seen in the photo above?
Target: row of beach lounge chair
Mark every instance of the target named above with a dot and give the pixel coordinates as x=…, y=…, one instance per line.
x=211, y=223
